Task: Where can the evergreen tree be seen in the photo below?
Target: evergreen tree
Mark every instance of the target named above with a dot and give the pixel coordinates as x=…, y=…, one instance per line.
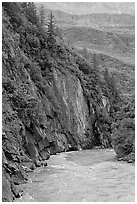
x=42, y=16
x=107, y=77
x=111, y=83
x=95, y=62
x=51, y=31
x=30, y=11
x=85, y=53
x=113, y=94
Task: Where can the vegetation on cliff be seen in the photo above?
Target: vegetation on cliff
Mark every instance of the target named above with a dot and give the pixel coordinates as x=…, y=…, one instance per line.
x=122, y=102
x=53, y=98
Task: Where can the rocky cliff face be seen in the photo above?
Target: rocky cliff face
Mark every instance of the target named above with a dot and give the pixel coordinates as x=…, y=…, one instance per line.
x=45, y=107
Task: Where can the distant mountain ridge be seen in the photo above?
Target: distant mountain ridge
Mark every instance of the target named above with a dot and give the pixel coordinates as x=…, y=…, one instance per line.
x=112, y=31
x=91, y=7
x=99, y=20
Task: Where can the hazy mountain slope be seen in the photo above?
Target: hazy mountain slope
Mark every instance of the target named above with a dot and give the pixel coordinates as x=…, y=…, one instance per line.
x=111, y=33
x=101, y=40
x=64, y=19
x=92, y=7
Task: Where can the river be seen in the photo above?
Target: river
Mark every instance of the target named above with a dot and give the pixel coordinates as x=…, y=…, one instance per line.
x=82, y=176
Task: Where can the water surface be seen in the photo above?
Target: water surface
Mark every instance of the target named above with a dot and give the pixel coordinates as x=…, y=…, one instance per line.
x=82, y=176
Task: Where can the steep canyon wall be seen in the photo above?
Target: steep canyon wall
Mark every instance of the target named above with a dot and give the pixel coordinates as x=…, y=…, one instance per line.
x=45, y=108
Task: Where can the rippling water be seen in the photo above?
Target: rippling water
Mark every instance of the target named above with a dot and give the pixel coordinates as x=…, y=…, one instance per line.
x=82, y=176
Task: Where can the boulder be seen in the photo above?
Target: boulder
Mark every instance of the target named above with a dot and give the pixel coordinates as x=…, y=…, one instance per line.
x=32, y=167
x=44, y=154
x=44, y=163
x=37, y=163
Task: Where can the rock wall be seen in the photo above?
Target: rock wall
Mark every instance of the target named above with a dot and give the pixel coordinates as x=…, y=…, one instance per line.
x=45, y=108
x=37, y=124
x=58, y=121
x=74, y=112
